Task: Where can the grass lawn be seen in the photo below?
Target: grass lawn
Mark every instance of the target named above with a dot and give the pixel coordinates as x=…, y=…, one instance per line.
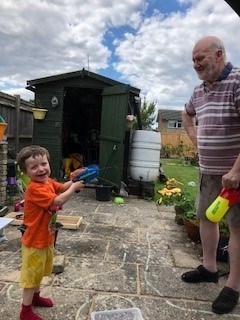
x=182, y=172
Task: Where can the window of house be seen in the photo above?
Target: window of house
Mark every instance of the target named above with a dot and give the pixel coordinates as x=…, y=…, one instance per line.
x=172, y=124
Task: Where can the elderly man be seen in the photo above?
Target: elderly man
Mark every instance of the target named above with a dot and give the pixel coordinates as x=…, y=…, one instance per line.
x=216, y=104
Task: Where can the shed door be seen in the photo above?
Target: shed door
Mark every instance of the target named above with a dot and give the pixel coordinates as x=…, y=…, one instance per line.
x=112, y=144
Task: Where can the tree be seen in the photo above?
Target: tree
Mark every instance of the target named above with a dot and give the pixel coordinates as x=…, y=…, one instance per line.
x=148, y=114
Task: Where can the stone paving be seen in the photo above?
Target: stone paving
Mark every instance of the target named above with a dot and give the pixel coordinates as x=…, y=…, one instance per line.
x=122, y=256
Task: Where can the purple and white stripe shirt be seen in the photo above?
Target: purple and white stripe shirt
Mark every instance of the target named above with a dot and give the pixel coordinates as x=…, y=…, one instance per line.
x=218, y=115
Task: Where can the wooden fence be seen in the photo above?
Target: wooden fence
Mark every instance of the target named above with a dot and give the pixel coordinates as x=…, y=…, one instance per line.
x=17, y=113
x=175, y=142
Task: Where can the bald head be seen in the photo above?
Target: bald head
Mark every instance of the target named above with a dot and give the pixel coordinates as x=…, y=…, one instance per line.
x=210, y=43
x=209, y=58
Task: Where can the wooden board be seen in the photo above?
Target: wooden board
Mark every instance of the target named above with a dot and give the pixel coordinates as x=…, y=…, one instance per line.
x=4, y=222
x=68, y=222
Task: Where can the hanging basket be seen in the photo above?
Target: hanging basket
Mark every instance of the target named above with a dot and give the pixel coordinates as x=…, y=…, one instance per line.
x=39, y=114
x=3, y=127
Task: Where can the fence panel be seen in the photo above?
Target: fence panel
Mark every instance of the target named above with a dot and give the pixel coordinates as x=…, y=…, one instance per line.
x=18, y=115
x=176, y=142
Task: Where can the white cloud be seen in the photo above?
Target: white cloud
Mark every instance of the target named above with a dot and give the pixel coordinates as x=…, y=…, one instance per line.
x=41, y=38
x=157, y=58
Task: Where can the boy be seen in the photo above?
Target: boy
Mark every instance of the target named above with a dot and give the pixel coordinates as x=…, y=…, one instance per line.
x=42, y=197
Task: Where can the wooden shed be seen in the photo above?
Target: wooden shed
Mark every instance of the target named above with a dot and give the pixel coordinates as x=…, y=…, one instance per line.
x=86, y=114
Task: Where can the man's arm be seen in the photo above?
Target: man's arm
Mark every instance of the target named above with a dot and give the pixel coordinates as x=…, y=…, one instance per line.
x=189, y=126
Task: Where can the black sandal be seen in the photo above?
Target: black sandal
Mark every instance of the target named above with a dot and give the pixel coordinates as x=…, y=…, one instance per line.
x=200, y=274
x=226, y=301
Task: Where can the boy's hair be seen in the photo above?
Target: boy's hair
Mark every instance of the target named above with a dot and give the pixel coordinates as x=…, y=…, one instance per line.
x=30, y=151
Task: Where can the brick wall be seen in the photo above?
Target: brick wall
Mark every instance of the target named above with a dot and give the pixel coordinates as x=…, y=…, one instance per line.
x=3, y=172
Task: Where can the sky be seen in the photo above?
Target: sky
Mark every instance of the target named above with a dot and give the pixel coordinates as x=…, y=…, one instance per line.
x=147, y=44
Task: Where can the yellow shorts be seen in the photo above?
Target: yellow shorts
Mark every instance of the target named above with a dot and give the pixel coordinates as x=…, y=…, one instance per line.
x=36, y=264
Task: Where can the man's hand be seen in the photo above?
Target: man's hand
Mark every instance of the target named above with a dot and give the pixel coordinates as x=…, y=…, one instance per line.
x=231, y=179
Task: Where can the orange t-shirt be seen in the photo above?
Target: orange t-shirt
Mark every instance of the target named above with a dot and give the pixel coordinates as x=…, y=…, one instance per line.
x=37, y=214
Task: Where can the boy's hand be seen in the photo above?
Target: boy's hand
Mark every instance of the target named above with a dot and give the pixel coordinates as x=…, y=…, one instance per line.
x=76, y=172
x=78, y=185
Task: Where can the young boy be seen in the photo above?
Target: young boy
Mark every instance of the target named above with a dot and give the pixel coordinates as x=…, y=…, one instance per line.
x=42, y=196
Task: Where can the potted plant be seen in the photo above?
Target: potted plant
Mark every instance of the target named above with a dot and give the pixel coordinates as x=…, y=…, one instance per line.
x=191, y=223
x=183, y=205
x=3, y=127
x=170, y=192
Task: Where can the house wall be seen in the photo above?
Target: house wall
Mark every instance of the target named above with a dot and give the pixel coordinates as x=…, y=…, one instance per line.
x=163, y=127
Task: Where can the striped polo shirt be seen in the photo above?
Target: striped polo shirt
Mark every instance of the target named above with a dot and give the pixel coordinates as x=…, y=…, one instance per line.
x=218, y=114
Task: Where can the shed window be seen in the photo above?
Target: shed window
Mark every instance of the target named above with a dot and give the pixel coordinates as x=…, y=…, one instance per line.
x=172, y=124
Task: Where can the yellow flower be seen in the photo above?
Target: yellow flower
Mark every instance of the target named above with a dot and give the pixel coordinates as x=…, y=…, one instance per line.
x=170, y=193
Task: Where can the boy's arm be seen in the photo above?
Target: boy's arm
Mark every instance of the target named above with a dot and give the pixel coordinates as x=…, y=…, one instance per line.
x=69, y=189
x=66, y=185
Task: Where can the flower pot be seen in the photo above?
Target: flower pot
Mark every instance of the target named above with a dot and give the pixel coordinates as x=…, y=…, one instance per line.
x=3, y=127
x=179, y=219
x=103, y=192
x=192, y=230
x=39, y=114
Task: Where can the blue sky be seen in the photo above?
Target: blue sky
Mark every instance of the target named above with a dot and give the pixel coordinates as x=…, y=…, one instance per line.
x=146, y=44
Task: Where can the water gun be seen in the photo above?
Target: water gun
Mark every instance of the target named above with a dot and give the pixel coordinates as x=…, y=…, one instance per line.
x=86, y=174
x=220, y=206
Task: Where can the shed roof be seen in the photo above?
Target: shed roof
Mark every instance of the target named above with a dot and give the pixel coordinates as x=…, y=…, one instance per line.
x=75, y=74
x=169, y=114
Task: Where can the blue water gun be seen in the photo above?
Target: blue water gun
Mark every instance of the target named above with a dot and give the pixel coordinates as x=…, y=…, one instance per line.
x=86, y=174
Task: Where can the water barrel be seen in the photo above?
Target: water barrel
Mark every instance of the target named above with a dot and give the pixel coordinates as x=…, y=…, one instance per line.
x=145, y=155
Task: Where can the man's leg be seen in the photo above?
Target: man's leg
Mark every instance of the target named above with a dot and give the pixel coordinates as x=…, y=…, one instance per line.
x=229, y=295
x=234, y=259
x=209, y=233
x=207, y=272
x=209, y=188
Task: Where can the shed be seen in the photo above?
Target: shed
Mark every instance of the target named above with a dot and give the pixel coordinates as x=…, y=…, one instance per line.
x=86, y=114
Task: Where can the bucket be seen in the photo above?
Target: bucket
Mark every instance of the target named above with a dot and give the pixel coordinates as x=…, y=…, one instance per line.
x=3, y=127
x=145, y=155
x=103, y=192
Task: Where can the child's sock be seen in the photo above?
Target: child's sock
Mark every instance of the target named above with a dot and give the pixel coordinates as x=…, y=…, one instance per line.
x=40, y=301
x=27, y=314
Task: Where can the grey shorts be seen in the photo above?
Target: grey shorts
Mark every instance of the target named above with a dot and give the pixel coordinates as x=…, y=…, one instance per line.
x=209, y=188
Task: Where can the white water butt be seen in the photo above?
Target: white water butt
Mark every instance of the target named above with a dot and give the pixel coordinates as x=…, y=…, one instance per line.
x=145, y=155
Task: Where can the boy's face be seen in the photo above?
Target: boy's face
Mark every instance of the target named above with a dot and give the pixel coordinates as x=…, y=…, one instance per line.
x=38, y=168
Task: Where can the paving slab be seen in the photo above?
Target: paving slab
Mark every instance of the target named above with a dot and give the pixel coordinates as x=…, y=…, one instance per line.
x=121, y=256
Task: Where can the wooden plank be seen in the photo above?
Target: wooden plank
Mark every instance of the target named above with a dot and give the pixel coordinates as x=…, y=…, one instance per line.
x=4, y=222
x=68, y=222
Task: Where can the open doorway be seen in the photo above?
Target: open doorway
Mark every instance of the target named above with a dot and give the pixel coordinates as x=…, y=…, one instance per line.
x=82, y=123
